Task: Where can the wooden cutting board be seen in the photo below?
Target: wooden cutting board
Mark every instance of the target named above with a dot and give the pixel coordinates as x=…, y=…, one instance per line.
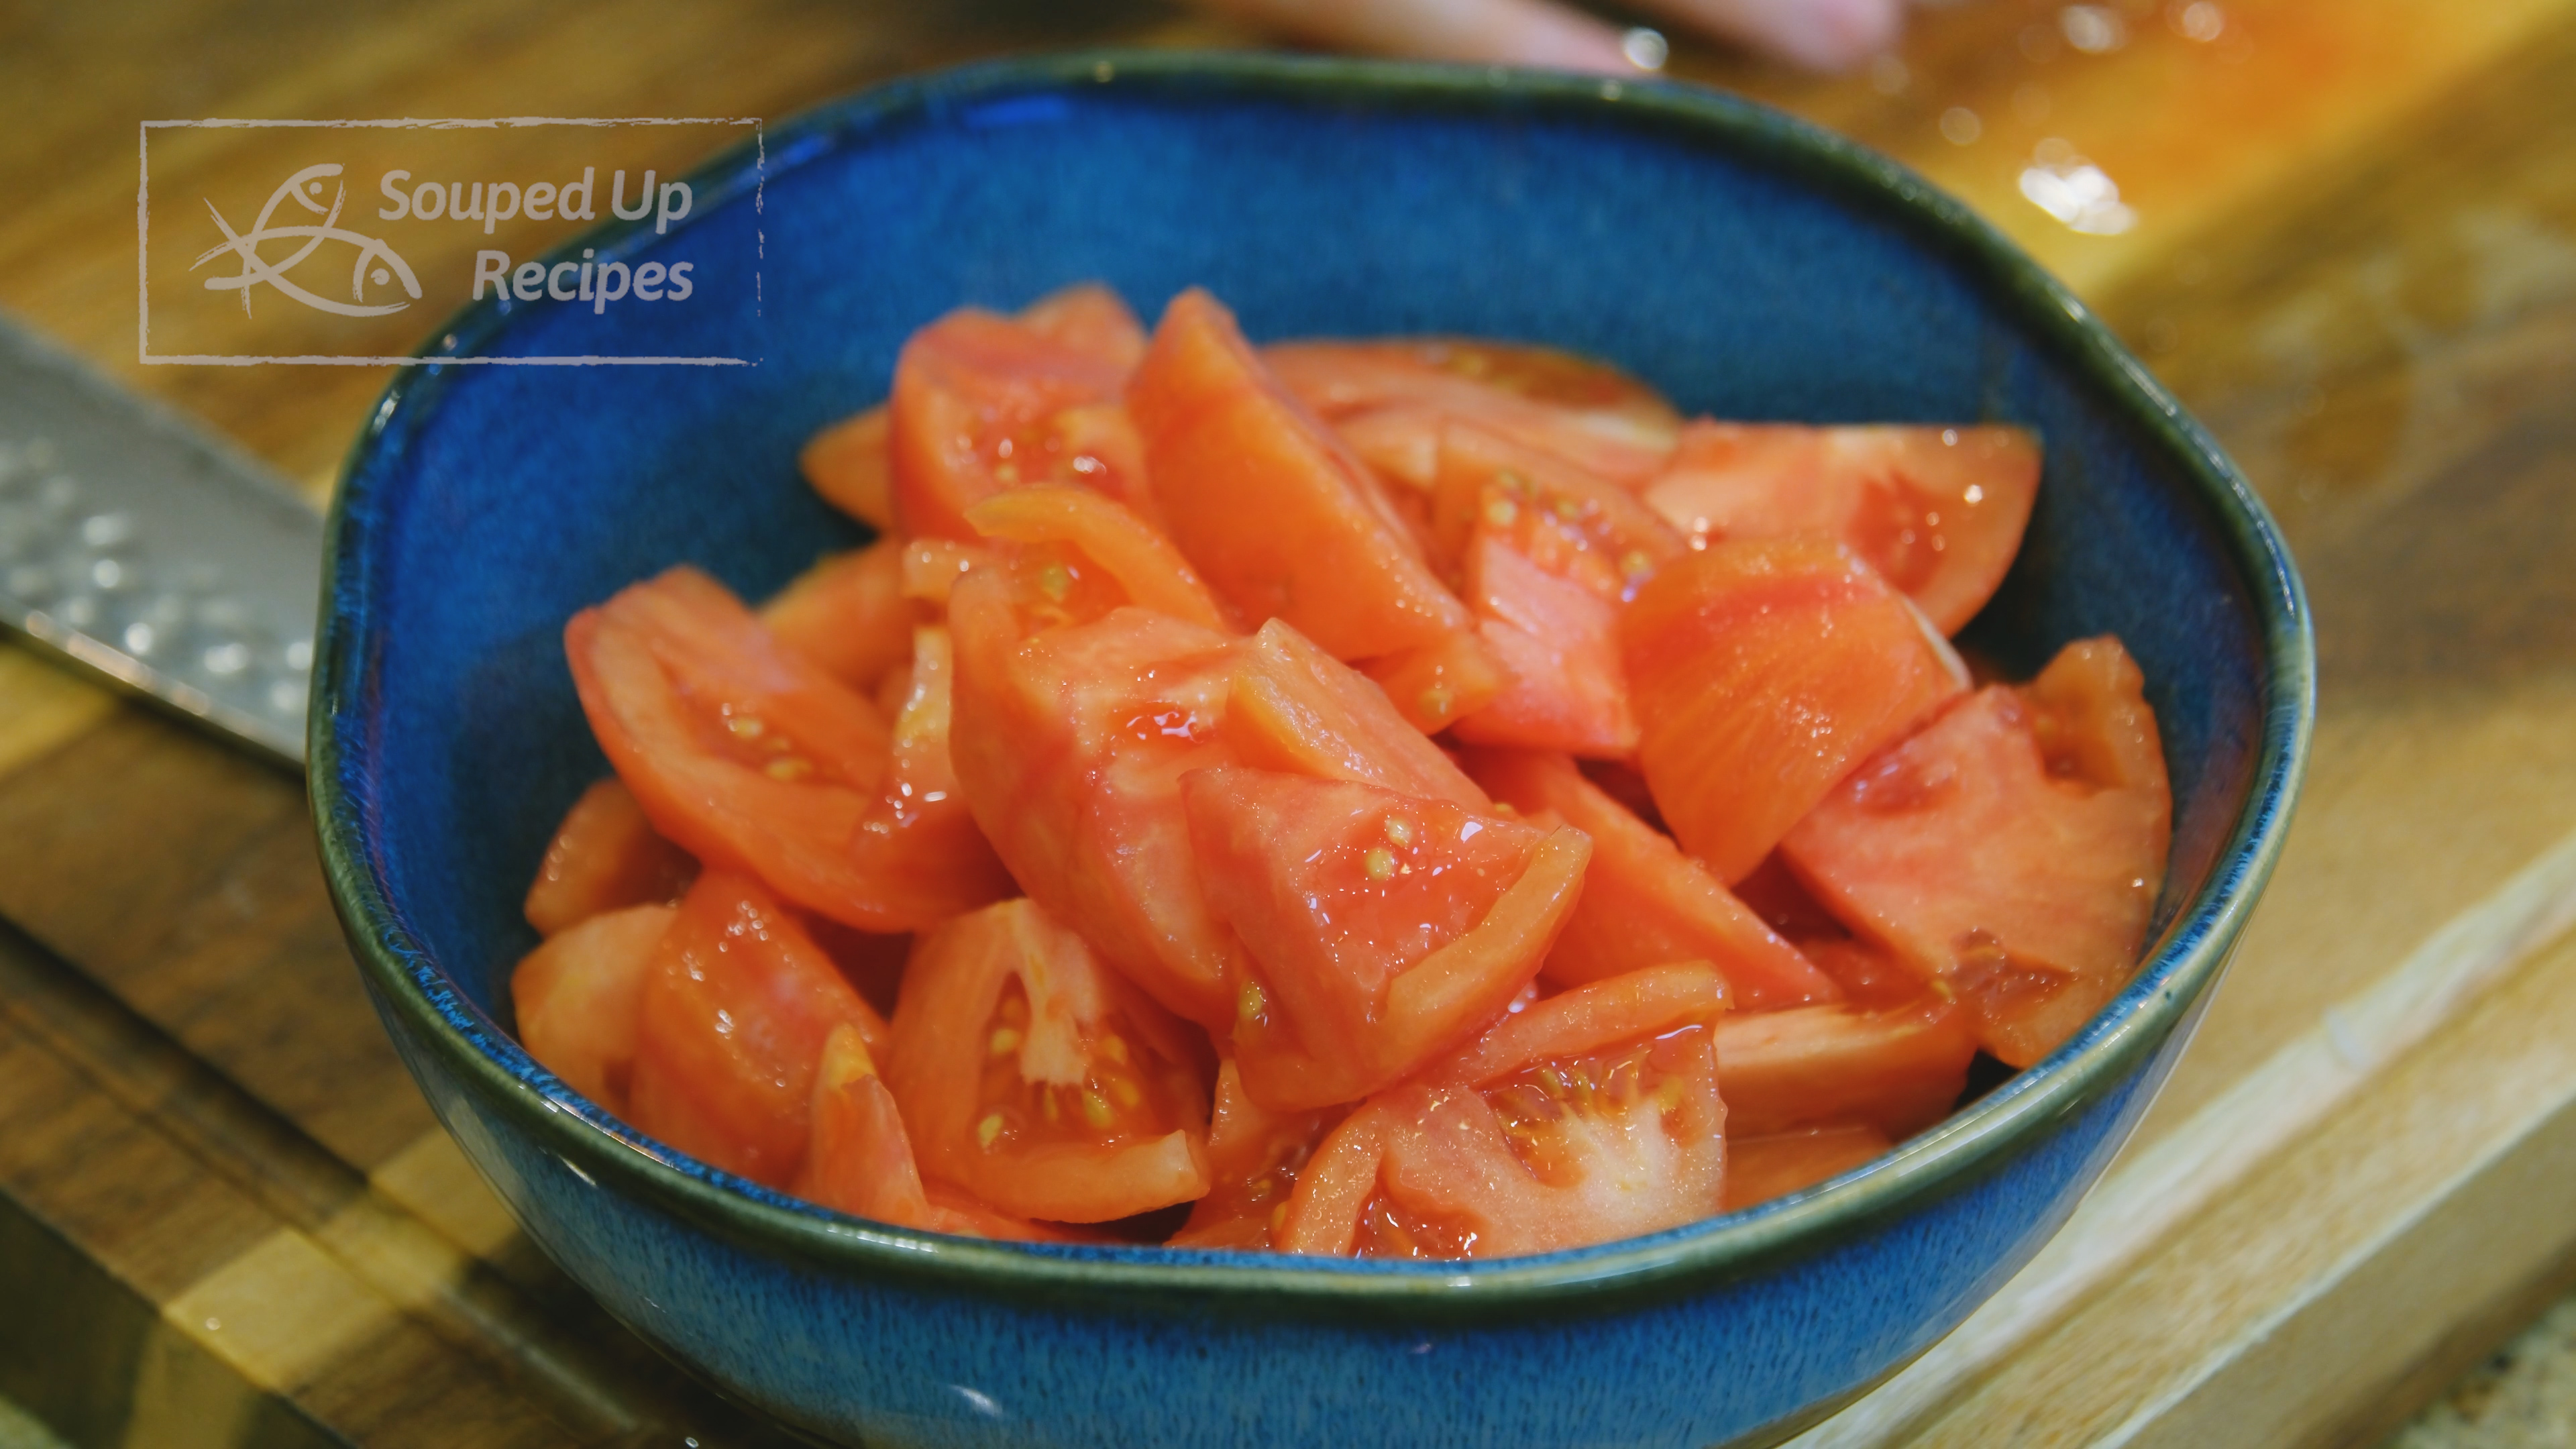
x=2346, y=234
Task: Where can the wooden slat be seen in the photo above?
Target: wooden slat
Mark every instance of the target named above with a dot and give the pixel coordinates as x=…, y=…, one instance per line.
x=2287, y=1312
x=2351, y=253
x=181, y=875
x=281, y=1261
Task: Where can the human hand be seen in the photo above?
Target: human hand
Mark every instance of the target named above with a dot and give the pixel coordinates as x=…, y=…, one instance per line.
x=1817, y=34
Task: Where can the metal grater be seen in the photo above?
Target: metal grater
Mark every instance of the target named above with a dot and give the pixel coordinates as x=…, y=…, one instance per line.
x=152, y=554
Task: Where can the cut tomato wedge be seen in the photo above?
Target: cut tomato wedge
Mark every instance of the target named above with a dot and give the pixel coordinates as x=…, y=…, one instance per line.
x=1573, y=524
x=1379, y=928
x=1764, y=672
x=746, y=755
x=850, y=464
x=1644, y=902
x=1759, y=1169
x=733, y=1016
x=1254, y=1157
x=923, y=809
x=1898, y=1070
x=1071, y=745
x=1091, y=319
x=1545, y=556
x=1065, y=535
x=578, y=995
x=1037, y=1080
x=848, y=615
x=1870, y=975
x=1295, y=708
x=1939, y=512
x=2011, y=851
x=1558, y=645
x=932, y=567
x=604, y=856
x=1589, y=1116
x=1277, y=515
x=1072, y=741
x=985, y=403
x=1437, y=685
x=1399, y=392
x=859, y=1159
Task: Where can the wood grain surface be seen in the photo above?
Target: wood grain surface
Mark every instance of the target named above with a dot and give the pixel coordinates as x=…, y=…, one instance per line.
x=2349, y=243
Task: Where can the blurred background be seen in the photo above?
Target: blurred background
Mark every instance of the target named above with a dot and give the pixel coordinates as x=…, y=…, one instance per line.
x=2342, y=231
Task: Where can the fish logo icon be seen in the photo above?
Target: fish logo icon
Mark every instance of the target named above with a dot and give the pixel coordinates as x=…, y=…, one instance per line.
x=377, y=262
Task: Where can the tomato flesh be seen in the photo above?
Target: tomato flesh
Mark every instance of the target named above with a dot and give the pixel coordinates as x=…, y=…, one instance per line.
x=1137, y=564
x=1644, y=902
x=604, y=856
x=1276, y=514
x=1072, y=741
x=745, y=754
x=1089, y=318
x=1437, y=685
x=1589, y=1116
x=2011, y=850
x=1295, y=708
x=1254, y=1158
x=1899, y=1070
x=1545, y=557
x=1071, y=744
x=1399, y=394
x=577, y=998
x=985, y=403
x=1939, y=512
x=1562, y=519
x=859, y=1158
x=932, y=567
x=848, y=464
x=1759, y=1169
x=1764, y=672
x=732, y=1018
x=1036, y=1080
x=848, y=615
x=1378, y=928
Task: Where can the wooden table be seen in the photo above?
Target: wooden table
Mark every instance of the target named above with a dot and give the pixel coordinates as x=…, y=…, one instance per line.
x=2349, y=242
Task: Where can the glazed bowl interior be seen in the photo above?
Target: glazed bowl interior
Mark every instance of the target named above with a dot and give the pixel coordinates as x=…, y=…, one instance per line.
x=1746, y=265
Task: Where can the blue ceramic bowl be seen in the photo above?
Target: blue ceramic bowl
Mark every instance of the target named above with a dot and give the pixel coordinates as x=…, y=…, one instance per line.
x=1749, y=265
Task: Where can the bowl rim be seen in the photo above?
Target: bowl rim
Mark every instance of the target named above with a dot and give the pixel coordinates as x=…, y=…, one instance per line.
x=422, y=1003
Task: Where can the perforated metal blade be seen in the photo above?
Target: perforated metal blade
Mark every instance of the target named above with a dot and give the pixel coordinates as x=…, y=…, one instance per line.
x=146, y=551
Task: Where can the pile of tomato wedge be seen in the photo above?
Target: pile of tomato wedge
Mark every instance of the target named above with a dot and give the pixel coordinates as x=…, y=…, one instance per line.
x=1416, y=797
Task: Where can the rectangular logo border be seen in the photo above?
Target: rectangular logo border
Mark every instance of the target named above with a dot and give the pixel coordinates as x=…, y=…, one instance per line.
x=143, y=231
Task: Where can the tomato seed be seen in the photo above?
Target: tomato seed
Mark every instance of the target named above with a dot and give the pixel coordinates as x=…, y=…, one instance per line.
x=1399, y=830
x=1005, y=1041
x=1379, y=863
x=1096, y=1109
x=988, y=1130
